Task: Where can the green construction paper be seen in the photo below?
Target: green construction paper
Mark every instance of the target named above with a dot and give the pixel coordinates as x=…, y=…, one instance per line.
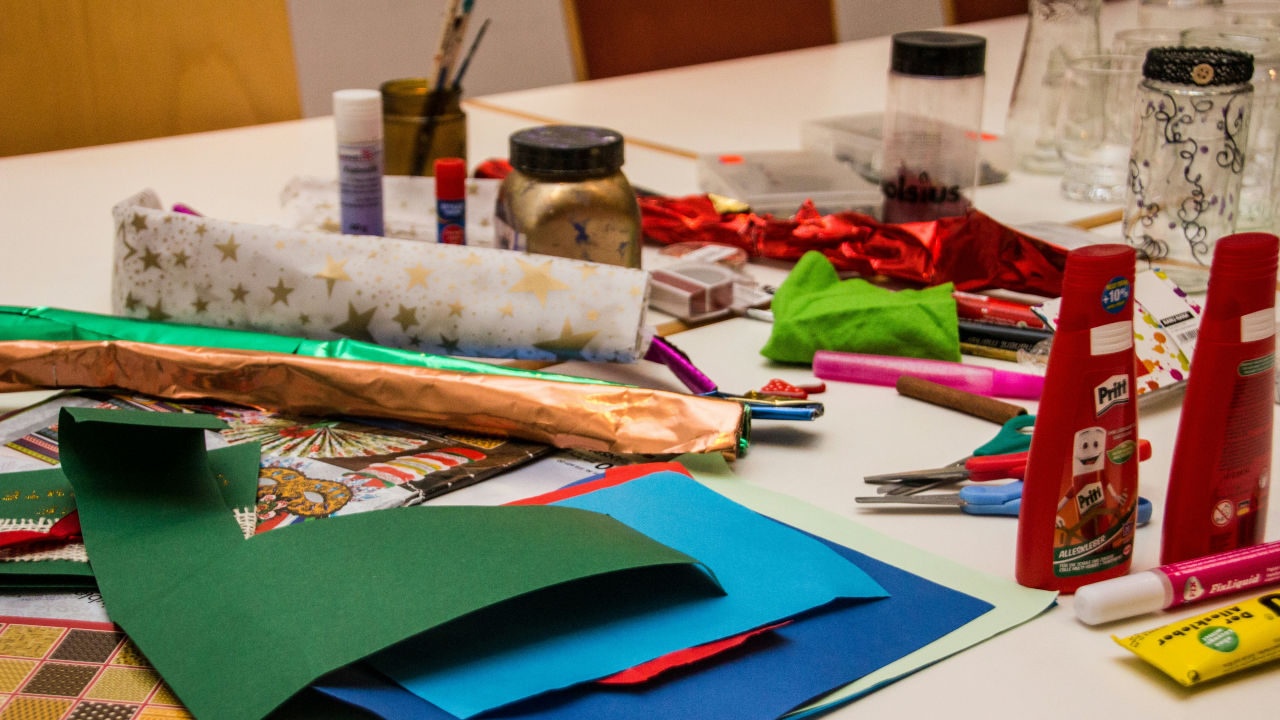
x=45, y=323
x=237, y=626
x=35, y=494
x=814, y=310
x=1013, y=603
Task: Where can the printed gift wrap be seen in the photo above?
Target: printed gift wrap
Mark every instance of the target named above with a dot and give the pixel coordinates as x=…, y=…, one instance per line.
x=442, y=299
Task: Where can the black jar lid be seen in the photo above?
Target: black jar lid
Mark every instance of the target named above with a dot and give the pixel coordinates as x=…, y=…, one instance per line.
x=940, y=54
x=1200, y=66
x=566, y=150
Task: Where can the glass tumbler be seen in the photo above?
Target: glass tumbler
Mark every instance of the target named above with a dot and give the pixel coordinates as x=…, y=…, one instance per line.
x=1261, y=186
x=1187, y=163
x=1177, y=13
x=1095, y=125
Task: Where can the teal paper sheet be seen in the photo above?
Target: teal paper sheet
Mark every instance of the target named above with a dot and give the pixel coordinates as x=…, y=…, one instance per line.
x=769, y=572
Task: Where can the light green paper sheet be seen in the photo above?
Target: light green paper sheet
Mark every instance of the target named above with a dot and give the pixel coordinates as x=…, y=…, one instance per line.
x=1013, y=603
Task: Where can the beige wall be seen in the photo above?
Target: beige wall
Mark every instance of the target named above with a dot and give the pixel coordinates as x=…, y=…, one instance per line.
x=359, y=43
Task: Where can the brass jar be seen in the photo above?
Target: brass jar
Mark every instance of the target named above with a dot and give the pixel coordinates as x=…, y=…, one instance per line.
x=567, y=196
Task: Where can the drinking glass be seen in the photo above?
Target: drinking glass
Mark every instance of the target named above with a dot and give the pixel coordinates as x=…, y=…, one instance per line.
x=1249, y=14
x=1094, y=130
x=1137, y=41
x=1176, y=13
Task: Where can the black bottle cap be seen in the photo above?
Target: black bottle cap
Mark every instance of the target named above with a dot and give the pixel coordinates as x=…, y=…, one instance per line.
x=939, y=54
x=1202, y=66
x=566, y=150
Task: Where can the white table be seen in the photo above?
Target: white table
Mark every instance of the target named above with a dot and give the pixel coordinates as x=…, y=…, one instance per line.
x=58, y=234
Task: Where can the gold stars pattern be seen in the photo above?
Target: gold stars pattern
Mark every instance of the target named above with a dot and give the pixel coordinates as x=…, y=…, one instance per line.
x=429, y=297
x=280, y=293
x=229, y=249
x=417, y=276
x=569, y=344
x=150, y=259
x=407, y=317
x=333, y=272
x=357, y=323
x=537, y=280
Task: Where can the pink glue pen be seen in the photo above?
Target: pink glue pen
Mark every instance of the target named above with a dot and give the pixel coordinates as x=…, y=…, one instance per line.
x=1179, y=583
x=885, y=370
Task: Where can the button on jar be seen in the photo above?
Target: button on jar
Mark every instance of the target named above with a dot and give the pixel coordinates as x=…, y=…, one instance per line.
x=567, y=196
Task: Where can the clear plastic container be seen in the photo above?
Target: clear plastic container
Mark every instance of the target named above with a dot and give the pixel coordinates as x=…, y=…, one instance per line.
x=778, y=182
x=932, y=125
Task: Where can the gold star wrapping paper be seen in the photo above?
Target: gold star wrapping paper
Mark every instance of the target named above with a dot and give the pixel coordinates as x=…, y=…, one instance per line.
x=441, y=299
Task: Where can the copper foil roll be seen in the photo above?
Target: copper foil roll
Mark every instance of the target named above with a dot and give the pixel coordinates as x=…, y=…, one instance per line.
x=606, y=418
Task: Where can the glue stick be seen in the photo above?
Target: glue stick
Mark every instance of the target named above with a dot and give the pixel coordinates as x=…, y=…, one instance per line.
x=1080, y=492
x=451, y=201
x=1204, y=647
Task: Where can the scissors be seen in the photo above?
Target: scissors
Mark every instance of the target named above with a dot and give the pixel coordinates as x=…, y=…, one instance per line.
x=1003, y=456
x=983, y=500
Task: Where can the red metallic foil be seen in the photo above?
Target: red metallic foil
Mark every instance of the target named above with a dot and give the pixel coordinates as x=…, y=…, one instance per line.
x=972, y=250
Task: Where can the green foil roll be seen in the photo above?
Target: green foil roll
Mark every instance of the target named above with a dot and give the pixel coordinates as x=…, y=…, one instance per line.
x=46, y=323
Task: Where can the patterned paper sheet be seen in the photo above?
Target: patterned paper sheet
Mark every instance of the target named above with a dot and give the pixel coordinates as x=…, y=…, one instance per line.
x=69, y=670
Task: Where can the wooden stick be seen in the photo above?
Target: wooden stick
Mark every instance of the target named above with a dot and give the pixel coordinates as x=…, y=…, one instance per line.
x=996, y=411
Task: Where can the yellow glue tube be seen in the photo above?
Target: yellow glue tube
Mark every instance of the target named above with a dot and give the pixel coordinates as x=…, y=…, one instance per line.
x=1214, y=644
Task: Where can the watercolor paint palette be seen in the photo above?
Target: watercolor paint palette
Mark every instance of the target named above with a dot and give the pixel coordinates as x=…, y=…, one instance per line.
x=70, y=670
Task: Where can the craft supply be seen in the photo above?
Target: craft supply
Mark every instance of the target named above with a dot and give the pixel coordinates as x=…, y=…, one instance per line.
x=1179, y=583
x=932, y=125
x=451, y=200
x=1218, y=482
x=1187, y=164
x=814, y=310
x=1208, y=646
x=398, y=293
x=404, y=125
x=1259, y=192
x=969, y=403
x=452, y=30
x=885, y=370
x=456, y=85
x=971, y=250
x=988, y=352
x=357, y=116
x=1003, y=337
x=1077, y=522
x=980, y=500
x=567, y=196
x=998, y=311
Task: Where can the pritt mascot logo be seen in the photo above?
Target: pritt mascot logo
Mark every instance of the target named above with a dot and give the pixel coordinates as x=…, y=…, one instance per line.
x=1086, y=469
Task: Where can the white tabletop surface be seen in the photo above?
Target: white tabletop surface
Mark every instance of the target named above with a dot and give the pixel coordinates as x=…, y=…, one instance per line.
x=57, y=244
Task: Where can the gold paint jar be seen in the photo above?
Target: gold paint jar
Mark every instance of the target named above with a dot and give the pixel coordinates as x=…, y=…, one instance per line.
x=567, y=196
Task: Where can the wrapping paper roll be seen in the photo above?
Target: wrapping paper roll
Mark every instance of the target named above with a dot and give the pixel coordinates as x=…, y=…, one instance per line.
x=441, y=299
x=607, y=418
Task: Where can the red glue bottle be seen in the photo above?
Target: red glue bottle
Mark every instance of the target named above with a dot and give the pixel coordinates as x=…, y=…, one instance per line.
x=1217, y=499
x=1079, y=498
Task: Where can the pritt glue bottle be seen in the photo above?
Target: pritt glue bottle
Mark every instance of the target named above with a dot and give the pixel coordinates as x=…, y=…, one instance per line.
x=1221, y=470
x=1079, y=499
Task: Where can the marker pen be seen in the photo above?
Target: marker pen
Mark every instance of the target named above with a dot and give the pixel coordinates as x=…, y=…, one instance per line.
x=885, y=370
x=357, y=117
x=1179, y=583
x=451, y=201
x=984, y=308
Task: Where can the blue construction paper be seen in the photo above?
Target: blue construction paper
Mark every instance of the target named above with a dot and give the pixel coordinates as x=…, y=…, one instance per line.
x=768, y=571
x=763, y=679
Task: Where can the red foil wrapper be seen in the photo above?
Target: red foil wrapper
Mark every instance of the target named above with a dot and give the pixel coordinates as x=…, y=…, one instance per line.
x=972, y=250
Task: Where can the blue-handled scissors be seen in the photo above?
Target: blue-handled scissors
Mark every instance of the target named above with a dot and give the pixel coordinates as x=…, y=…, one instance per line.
x=982, y=500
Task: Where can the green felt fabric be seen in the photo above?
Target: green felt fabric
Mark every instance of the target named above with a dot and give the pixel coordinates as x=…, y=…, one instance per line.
x=238, y=626
x=814, y=310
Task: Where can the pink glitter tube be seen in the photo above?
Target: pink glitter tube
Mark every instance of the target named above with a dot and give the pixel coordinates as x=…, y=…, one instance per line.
x=885, y=370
